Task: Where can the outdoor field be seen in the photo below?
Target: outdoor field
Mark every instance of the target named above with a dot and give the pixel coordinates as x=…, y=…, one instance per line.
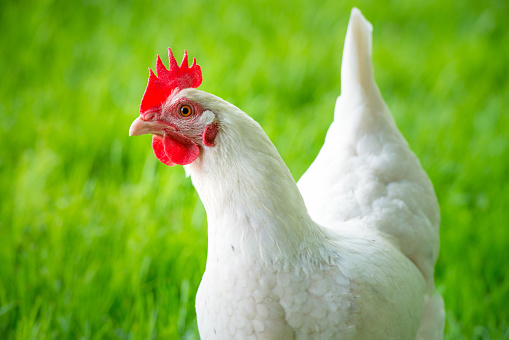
x=99, y=240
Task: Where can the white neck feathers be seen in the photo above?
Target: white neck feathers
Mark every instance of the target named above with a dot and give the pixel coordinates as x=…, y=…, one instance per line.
x=251, y=199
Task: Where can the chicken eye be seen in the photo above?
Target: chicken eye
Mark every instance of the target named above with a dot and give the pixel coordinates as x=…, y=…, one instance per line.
x=186, y=110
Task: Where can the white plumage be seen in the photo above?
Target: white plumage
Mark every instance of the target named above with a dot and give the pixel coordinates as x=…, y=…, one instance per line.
x=348, y=253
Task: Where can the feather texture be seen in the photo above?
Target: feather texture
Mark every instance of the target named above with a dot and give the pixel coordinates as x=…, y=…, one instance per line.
x=348, y=253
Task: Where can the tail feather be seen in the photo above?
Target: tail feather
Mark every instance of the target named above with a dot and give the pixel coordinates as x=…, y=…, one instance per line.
x=357, y=78
x=365, y=170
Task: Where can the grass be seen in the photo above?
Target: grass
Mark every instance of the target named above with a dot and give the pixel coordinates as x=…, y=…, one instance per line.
x=98, y=240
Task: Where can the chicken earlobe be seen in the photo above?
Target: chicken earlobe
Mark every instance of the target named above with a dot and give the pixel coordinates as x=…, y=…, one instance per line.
x=175, y=148
x=209, y=135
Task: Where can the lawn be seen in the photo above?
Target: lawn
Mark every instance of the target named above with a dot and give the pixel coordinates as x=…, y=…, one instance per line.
x=98, y=240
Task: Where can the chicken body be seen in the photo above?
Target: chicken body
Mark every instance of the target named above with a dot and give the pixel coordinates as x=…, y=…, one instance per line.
x=366, y=290
x=348, y=256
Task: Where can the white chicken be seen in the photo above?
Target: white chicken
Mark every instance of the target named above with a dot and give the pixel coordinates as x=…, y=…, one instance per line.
x=348, y=253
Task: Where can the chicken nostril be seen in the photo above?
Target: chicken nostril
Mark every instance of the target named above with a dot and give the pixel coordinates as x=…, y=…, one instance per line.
x=149, y=116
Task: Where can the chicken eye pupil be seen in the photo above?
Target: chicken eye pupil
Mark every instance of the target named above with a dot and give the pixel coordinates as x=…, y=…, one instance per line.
x=185, y=111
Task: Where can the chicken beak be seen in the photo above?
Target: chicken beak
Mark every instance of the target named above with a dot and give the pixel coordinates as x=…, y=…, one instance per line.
x=141, y=127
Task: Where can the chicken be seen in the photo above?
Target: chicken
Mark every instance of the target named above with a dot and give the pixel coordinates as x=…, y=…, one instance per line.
x=347, y=253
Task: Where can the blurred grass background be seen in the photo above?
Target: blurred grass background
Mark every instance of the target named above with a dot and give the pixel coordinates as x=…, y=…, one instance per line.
x=98, y=240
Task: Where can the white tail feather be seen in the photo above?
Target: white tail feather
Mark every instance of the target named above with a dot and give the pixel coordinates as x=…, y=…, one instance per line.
x=366, y=172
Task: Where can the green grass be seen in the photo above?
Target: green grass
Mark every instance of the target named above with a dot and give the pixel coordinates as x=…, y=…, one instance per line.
x=98, y=240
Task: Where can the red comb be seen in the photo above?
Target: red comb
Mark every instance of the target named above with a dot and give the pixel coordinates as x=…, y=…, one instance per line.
x=161, y=86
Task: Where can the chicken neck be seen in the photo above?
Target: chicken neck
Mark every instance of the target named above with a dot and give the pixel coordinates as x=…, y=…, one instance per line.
x=252, y=202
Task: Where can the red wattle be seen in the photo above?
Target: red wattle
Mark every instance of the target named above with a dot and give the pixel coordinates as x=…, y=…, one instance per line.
x=158, y=147
x=175, y=148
